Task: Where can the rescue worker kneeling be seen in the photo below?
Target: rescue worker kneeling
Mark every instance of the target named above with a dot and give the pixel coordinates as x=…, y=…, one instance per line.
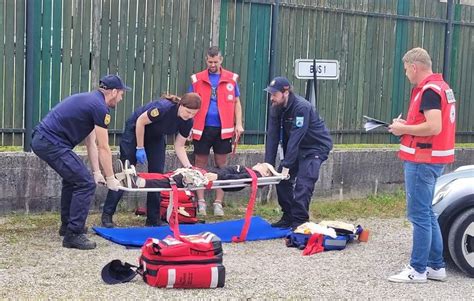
x=299, y=135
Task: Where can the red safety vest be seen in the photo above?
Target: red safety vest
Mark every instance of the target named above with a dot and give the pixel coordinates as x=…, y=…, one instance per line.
x=225, y=101
x=431, y=149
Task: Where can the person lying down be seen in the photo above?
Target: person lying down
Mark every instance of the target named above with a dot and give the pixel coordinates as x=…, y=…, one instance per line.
x=186, y=177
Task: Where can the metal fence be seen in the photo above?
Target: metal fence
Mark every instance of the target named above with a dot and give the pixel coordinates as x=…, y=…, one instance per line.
x=155, y=45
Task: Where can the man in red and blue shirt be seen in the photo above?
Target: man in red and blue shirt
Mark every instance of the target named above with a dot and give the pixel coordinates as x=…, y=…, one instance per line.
x=218, y=120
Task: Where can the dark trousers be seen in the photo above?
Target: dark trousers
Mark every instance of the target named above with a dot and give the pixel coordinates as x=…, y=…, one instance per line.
x=294, y=195
x=78, y=186
x=155, y=151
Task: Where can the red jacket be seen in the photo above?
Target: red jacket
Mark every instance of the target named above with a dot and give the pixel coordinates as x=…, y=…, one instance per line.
x=431, y=149
x=225, y=101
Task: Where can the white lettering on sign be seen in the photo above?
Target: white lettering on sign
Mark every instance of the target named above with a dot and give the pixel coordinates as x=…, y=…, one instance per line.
x=325, y=69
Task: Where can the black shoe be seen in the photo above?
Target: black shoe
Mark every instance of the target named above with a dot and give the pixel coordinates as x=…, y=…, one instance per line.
x=77, y=241
x=155, y=224
x=63, y=229
x=296, y=225
x=282, y=223
x=107, y=220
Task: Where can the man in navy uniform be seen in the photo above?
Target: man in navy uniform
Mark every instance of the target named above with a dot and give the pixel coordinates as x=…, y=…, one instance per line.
x=298, y=134
x=79, y=117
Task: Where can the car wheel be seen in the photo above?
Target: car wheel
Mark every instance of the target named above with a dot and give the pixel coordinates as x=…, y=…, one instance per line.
x=461, y=242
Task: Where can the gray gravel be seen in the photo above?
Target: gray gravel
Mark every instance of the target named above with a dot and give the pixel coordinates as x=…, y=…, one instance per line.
x=41, y=268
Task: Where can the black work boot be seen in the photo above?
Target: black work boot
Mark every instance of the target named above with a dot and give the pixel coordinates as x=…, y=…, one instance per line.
x=296, y=224
x=107, y=220
x=63, y=229
x=282, y=223
x=152, y=223
x=77, y=241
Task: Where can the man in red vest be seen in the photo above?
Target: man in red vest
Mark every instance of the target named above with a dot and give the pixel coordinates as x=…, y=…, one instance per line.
x=427, y=145
x=218, y=120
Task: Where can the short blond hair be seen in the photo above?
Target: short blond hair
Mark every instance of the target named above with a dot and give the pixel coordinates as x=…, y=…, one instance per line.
x=417, y=55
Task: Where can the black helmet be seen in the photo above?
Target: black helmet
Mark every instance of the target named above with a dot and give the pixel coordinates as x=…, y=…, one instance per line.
x=118, y=272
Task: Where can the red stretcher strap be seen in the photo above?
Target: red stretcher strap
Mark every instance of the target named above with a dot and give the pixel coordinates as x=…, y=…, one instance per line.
x=250, y=207
x=173, y=219
x=154, y=175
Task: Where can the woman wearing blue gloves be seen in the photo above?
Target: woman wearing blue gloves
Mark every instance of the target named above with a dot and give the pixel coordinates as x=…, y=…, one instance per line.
x=144, y=141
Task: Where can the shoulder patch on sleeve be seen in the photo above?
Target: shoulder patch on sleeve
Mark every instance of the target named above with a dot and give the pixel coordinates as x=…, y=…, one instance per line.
x=107, y=119
x=154, y=112
x=450, y=96
x=299, y=121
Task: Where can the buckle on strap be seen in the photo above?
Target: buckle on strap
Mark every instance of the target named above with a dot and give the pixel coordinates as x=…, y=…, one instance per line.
x=424, y=145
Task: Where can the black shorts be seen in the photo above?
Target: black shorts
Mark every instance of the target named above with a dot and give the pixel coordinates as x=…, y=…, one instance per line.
x=211, y=137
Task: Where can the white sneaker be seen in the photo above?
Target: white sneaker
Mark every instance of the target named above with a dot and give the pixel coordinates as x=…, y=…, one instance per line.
x=202, y=208
x=439, y=274
x=218, y=210
x=408, y=275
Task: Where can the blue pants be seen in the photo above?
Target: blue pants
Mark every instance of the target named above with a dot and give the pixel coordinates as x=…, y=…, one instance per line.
x=155, y=151
x=427, y=250
x=294, y=195
x=78, y=186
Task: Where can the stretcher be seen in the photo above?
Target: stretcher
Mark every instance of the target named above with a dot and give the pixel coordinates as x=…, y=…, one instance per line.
x=262, y=181
x=172, y=211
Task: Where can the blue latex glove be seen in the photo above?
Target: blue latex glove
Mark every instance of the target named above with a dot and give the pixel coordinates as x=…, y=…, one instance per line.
x=141, y=155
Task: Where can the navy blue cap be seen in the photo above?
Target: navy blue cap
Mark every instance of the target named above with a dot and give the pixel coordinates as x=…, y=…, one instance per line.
x=278, y=84
x=117, y=272
x=113, y=81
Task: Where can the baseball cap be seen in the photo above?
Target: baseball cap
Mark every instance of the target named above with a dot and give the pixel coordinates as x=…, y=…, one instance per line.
x=278, y=84
x=113, y=81
x=117, y=272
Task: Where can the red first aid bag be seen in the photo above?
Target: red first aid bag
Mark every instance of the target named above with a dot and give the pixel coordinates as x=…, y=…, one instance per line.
x=187, y=206
x=195, y=261
x=209, y=275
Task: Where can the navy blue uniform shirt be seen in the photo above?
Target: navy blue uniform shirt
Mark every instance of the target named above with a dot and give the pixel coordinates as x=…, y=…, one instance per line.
x=74, y=118
x=164, y=118
x=304, y=132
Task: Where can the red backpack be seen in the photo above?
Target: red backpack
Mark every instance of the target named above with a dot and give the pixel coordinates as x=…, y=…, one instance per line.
x=194, y=261
x=187, y=206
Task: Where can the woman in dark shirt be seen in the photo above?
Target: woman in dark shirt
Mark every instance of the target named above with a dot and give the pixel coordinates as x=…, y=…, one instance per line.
x=144, y=140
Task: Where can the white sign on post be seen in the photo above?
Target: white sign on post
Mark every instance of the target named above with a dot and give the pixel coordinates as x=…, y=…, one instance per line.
x=326, y=69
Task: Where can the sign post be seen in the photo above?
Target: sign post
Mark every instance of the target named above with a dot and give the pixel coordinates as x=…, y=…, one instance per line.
x=325, y=70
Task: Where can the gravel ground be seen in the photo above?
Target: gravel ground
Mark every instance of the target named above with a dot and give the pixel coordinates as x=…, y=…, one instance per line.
x=39, y=268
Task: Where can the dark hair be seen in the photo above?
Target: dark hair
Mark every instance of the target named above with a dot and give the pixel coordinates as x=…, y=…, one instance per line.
x=213, y=51
x=189, y=100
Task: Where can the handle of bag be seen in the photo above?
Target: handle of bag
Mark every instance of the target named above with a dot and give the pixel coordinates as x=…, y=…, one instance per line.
x=248, y=214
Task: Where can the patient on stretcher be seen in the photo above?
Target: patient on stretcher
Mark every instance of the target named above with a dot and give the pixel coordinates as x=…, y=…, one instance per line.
x=186, y=177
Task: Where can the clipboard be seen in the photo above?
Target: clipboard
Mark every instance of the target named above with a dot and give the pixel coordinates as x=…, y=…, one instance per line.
x=372, y=123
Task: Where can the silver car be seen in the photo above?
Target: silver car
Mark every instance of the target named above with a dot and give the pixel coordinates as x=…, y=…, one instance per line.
x=454, y=205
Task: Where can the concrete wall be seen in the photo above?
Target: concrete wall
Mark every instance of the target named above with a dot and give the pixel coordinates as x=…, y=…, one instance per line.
x=28, y=184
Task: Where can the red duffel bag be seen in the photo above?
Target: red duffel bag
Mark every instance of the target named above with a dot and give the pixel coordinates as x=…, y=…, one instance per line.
x=194, y=261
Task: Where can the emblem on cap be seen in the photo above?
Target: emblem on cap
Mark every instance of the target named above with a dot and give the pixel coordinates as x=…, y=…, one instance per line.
x=107, y=119
x=272, y=83
x=154, y=112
